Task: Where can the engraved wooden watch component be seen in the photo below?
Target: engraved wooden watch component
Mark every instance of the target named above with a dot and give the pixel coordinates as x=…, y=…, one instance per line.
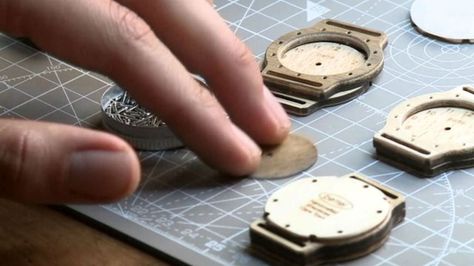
x=430, y=134
x=293, y=155
x=326, y=219
x=301, y=106
x=327, y=64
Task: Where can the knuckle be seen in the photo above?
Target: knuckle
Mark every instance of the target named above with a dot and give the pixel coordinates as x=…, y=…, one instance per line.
x=24, y=160
x=13, y=159
x=131, y=27
x=241, y=54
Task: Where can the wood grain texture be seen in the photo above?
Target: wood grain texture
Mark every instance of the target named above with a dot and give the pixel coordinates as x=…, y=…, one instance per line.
x=322, y=79
x=293, y=156
x=282, y=245
x=38, y=235
x=322, y=58
x=430, y=134
x=329, y=63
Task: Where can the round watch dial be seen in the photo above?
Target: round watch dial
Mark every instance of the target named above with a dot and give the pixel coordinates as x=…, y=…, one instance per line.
x=323, y=58
x=327, y=208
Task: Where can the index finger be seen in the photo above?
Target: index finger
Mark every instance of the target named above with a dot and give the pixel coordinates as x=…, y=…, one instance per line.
x=112, y=39
x=196, y=33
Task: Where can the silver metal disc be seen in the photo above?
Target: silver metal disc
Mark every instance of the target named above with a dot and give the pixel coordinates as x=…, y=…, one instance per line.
x=142, y=129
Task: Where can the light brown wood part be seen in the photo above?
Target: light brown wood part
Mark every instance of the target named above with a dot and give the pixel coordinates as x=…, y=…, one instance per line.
x=301, y=106
x=38, y=235
x=430, y=134
x=294, y=155
x=318, y=220
x=322, y=58
x=322, y=61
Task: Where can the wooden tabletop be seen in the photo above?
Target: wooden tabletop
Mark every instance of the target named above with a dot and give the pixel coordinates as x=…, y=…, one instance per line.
x=39, y=235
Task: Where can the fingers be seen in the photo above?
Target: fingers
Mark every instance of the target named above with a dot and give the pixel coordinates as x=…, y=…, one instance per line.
x=107, y=37
x=49, y=163
x=201, y=39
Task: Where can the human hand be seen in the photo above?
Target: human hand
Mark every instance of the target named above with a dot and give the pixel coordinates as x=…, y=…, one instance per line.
x=149, y=47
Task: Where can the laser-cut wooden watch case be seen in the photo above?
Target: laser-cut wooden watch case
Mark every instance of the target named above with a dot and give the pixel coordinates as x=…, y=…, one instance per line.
x=430, y=134
x=318, y=220
x=306, y=92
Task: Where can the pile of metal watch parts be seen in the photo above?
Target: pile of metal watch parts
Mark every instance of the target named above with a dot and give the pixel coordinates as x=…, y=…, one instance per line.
x=142, y=129
x=329, y=63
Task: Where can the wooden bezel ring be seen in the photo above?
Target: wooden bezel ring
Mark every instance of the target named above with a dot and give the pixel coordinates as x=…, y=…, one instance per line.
x=318, y=87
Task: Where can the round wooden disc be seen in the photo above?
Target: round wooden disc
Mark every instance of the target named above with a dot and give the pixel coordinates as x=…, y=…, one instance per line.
x=327, y=208
x=294, y=155
x=323, y=58
x=449, y=20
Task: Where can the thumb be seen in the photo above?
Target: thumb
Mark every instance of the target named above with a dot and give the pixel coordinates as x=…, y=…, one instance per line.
x=51, y=163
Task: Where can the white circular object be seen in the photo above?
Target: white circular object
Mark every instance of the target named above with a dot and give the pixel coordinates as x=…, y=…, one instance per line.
x=450, y=20
x=327, y=208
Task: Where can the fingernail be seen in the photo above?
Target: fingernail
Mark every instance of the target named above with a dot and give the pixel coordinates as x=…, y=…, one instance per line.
x=101, y=175
x=277, y=110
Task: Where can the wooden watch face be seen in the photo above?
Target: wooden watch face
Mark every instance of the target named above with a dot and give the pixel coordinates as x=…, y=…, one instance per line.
x=327, y=208
x=323, y=58
x=430, y=134
x=441, y=127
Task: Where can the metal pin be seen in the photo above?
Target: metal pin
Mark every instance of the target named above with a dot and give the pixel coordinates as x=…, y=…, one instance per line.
x=125, y=110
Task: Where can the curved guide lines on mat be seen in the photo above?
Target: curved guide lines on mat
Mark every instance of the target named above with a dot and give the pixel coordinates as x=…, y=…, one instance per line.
x=182, y=208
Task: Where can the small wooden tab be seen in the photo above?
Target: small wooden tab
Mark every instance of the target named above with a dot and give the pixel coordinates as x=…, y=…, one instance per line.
x=294, y=155
x=430, y=134
x=302, y=107
x=326, y=219
x=320, y=62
